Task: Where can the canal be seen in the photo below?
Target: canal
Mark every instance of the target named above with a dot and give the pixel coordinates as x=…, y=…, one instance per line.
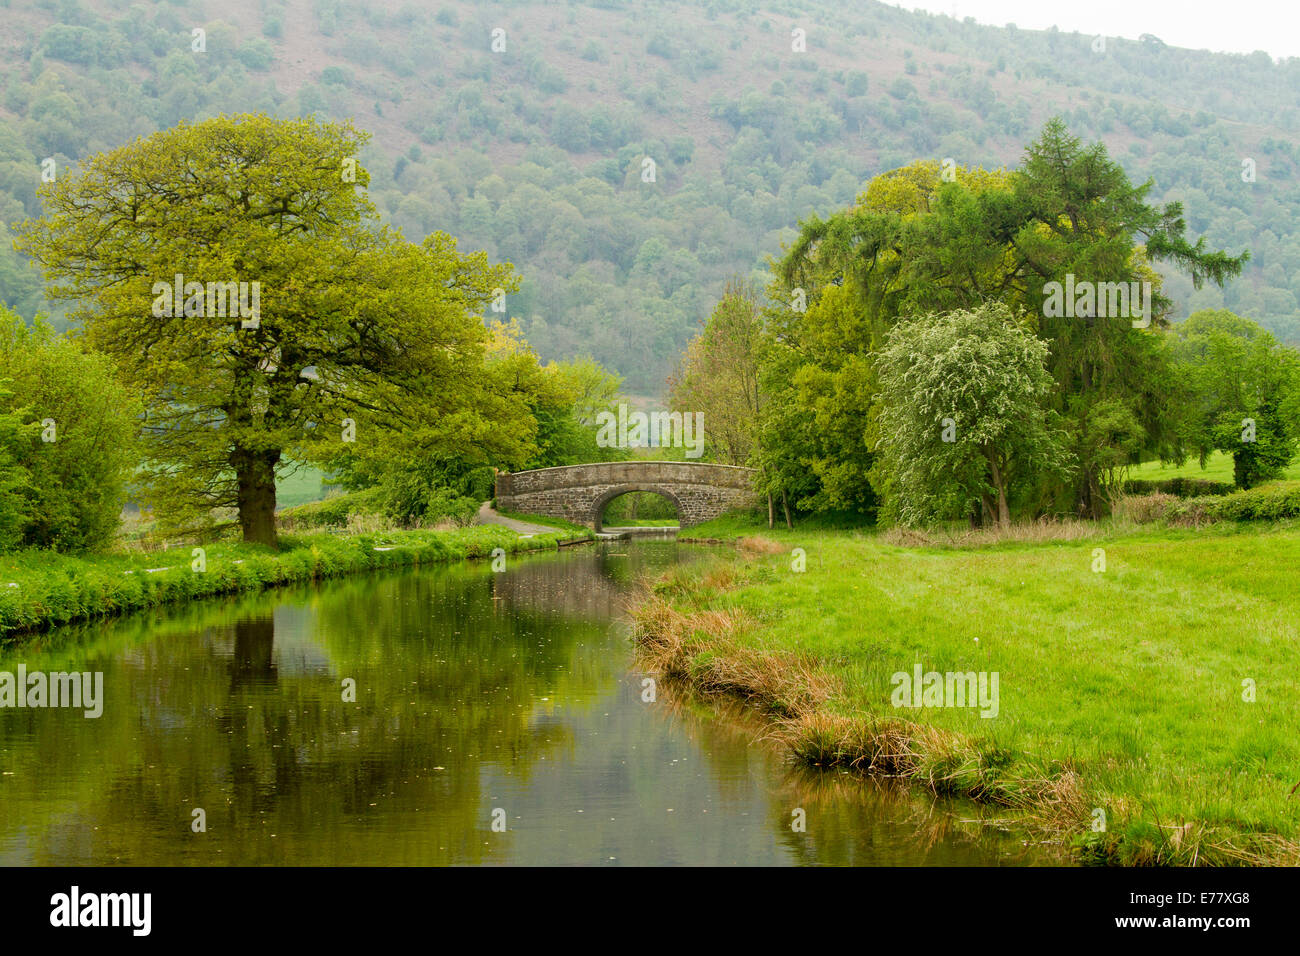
x=450, y=715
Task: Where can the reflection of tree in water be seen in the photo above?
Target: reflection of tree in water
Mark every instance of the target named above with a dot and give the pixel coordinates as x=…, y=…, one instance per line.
x=252, y=661
x=225, y=718
x=593, y=584
x=585, y=586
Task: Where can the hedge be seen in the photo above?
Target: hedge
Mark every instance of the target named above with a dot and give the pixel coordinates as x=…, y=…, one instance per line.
x=1178, y=487
x=1270, y=502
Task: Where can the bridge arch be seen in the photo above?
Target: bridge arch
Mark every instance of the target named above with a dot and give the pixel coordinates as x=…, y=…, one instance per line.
x=579, y=493
x=598, y=509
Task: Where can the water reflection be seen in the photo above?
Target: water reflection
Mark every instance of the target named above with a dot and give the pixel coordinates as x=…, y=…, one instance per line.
x=474, y=692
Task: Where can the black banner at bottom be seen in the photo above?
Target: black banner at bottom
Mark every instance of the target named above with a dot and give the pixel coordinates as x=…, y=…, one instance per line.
x=130, y=905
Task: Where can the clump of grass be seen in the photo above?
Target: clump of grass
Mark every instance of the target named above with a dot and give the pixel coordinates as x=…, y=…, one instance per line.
x=941, y=761
x=1144, y=509
x=368, y=522
x=1045, y=529
x=755, y=544
x=706, y=649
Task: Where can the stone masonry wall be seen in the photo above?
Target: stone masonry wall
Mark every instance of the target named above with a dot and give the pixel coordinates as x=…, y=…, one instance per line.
x=579, y=493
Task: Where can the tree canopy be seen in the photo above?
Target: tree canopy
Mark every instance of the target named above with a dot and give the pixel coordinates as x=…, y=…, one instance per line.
x=340, y=321
x=926, y=239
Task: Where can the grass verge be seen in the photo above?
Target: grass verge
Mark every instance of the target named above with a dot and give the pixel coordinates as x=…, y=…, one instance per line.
x=40, y=589
x=1161, y=691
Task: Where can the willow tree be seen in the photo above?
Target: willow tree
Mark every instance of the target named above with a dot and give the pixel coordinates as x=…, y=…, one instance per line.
x=236, y=270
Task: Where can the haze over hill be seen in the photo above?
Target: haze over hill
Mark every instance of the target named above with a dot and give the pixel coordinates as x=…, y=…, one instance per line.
x=536, y=151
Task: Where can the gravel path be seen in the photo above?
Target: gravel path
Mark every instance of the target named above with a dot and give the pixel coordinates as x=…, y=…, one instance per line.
x=489, y=515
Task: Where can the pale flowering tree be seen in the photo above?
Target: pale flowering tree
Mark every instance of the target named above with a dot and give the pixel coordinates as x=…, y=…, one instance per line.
x=964, y=415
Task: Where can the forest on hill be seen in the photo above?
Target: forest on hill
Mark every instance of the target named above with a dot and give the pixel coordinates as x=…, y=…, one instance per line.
x=593, y=146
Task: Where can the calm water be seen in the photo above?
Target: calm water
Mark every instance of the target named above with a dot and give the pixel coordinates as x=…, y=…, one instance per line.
x=514, y=694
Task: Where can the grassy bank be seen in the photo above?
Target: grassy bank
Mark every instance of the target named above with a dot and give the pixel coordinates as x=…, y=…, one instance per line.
x=40, y=589
x=1121, y=690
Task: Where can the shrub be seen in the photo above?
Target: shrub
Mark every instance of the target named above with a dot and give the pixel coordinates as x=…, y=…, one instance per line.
x=78, y=445
x=257, y=54
x=1192, y=511
x=336, y=75
x=411, y=500
x=1143, y=509
x=333, y=512
x=1266, y=503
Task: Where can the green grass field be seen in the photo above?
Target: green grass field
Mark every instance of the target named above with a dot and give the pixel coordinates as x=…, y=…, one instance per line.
x=1134, y=677
x=1218, y=467
x=302, y=486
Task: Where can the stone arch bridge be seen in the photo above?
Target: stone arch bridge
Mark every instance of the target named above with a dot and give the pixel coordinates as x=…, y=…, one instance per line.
x=579, y=493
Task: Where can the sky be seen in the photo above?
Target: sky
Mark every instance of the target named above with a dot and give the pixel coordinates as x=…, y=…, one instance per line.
x=1218, y=25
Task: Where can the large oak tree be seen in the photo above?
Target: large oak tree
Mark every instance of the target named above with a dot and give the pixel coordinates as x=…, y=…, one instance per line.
x=353, y=321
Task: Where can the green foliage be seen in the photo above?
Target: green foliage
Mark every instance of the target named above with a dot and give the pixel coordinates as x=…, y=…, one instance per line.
x=257, y=54
x=1267, y=503
x=333, y=511
x=964, y=420
x=341, y=324
x=638, y=506
x=719, y=376
x=426, y=494
x=1243, y=391
x=526, y=416
x=921, y=240
x=15, y=479
x=67, y=441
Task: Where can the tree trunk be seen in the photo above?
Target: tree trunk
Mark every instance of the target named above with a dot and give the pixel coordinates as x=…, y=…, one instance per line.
x=1089, y=495
x=255, y=473
x=1004, y=513
x=770, y=514
x=785, y=505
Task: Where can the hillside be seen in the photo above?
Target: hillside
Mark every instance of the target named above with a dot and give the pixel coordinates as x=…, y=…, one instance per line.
x=536, y=152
